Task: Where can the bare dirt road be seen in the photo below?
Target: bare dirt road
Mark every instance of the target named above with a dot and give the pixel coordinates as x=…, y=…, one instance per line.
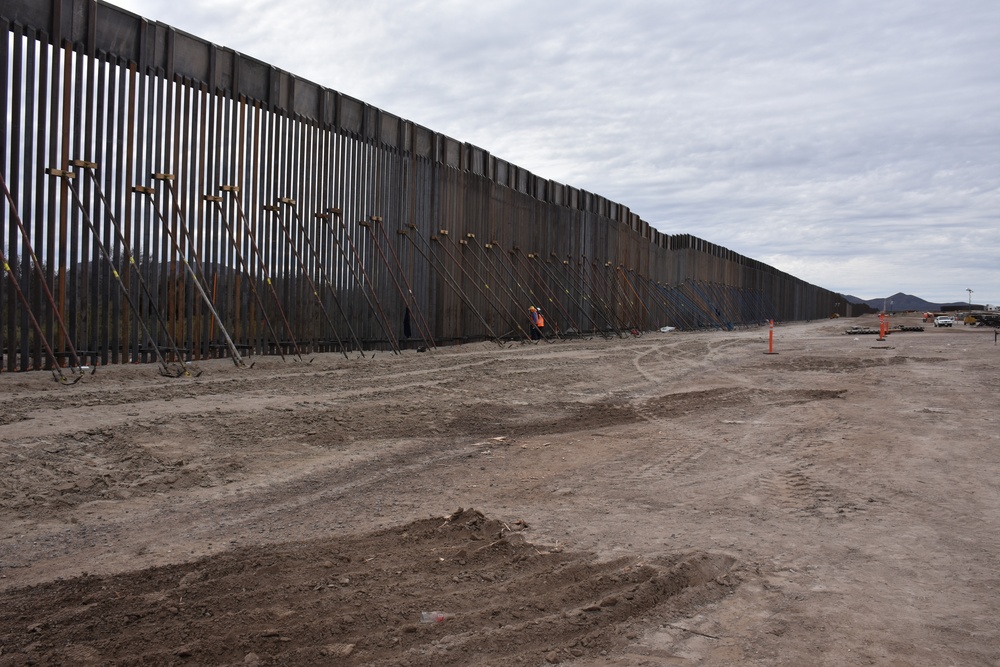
x=672, y=499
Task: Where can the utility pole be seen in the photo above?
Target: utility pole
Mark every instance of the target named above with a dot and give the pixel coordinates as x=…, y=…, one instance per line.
x=969, y=290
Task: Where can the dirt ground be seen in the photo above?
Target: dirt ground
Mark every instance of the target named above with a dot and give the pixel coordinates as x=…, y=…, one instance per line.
x=672, y=499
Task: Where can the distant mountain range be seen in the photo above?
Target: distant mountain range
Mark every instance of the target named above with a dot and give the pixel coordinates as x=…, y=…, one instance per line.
x=899, y=301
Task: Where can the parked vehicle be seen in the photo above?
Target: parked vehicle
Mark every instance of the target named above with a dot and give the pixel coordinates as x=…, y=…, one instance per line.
x=944, y=321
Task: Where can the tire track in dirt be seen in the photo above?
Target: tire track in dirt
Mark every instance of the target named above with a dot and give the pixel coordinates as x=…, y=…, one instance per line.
x=795, y=491
x=660, y=361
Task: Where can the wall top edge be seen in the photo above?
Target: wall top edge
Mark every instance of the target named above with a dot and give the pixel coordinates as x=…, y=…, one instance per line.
x=99, y=29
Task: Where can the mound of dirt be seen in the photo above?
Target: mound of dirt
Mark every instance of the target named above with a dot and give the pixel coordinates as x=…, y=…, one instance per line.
x=359, y=601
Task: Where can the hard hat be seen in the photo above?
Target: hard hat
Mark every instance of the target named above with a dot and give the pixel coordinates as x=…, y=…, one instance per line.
x=531, y=308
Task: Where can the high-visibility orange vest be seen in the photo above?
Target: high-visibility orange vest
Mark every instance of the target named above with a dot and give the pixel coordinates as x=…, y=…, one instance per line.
x=541, y=320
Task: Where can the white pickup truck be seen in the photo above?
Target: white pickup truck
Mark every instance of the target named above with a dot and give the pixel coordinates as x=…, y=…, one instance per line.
x=944, y=321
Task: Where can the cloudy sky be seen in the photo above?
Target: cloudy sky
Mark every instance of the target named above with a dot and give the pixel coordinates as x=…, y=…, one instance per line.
x=852, y=143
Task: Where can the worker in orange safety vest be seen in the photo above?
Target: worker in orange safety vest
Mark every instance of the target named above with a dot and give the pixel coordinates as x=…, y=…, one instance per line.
x=536, y=322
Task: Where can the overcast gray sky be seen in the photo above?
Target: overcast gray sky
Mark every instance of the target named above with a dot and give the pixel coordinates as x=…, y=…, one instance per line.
x=854, y=144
